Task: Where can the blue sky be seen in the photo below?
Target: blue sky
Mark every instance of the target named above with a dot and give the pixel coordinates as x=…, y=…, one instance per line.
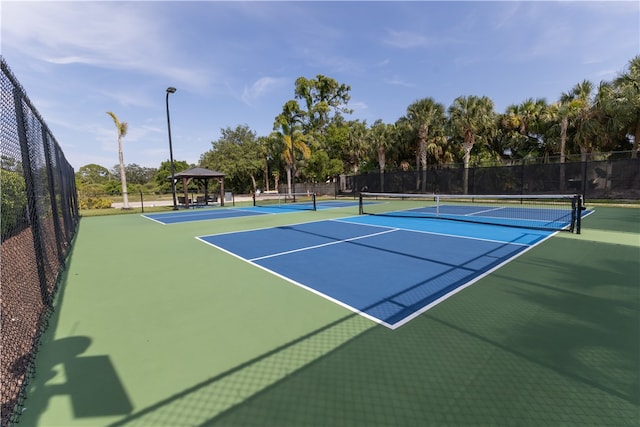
x=235, y=63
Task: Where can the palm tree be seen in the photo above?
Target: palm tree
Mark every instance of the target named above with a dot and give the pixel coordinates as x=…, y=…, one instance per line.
x=525, y=119
x=289, y=122
x=422, y=115
x=613, y=116
x=627, y=101
x=357, y=143
x=570, y=112
x=292, y=142
x=379, y=136
x=563, y=112
x=263, y=146
x=585, y=121
x=469, y=118
x=122, y=128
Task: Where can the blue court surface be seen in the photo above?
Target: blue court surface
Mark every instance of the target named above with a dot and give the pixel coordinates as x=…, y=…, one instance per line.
x=206, y=214
x=387, y=269
x=202, y=215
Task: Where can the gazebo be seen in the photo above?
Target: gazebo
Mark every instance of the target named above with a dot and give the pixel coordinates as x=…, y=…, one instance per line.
x=204, y=175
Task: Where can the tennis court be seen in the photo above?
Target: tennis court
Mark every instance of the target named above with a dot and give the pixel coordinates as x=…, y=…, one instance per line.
x=387, y=270
x=274, y=205
x=328, y=317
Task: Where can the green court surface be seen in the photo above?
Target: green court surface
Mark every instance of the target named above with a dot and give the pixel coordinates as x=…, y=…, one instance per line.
x=154, y=328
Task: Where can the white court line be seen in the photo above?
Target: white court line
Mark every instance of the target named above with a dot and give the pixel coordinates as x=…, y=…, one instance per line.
x=153, y=219
x=322, y=245
x=486, y=210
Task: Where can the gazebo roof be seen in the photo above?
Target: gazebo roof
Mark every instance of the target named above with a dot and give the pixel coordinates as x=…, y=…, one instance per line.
x=199, y=173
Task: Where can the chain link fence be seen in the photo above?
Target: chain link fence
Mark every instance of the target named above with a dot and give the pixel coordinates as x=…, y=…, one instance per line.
x=613, y=178
x=39, y=218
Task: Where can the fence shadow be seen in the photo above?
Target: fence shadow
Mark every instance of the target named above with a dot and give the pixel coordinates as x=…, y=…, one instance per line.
x=91, y=382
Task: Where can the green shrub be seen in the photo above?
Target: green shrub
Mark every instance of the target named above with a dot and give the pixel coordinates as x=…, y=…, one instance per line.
x=14, y=200
x=95, y=203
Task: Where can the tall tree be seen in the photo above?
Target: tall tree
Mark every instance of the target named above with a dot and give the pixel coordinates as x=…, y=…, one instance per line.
x=522, y=123
x=613, y=118
x=163, y=173
x=238, y=155
x=380, y=140
x=264, y=144
x=356, y=147
x=586, y=124
x=288, y=125
x=121, y=128
x=136, y=174
x=324, y=98
x=470, y=117
x=423, y=115
x=627, y=101
x=93, y=174
x=563, y=113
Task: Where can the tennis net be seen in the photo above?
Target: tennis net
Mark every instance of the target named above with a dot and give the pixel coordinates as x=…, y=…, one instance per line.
x=303, y=201
x=546, y=212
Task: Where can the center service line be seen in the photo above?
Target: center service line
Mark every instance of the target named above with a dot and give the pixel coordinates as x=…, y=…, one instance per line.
x=324, y=244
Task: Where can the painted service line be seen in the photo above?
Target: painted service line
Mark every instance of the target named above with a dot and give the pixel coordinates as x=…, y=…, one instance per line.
x=322, y=245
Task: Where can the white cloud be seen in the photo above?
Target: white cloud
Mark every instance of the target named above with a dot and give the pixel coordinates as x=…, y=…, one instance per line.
x=595, y=33
x=396, y=81
x=506, y=16
x=358, y=106
x=112, y=35
x=406, y=39
x=261, y=87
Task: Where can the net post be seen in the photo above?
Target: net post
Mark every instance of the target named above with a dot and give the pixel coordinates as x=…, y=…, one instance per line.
x=579, y=209
x=313, y=197
x=360, y=207
x=574, y=209
x=254, y=199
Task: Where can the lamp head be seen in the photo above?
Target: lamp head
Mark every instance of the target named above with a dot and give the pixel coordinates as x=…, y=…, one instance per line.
x=171, y=89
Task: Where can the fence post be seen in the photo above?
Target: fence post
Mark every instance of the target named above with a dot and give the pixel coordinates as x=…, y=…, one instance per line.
x=64, y=190
x=52, y=195
x=32, y=207
x=473, y=179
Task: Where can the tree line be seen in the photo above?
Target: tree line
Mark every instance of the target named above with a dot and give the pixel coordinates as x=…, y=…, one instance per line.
x=314, y=140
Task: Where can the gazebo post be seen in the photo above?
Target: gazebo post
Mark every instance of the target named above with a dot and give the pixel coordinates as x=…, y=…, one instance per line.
x=221, y=192
x=185, y=185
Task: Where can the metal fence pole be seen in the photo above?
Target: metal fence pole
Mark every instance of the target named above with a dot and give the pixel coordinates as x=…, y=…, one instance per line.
x=34, y=221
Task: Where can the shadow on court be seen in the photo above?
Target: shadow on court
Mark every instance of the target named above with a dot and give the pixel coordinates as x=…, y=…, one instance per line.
x=526, y=347
x=91, y=382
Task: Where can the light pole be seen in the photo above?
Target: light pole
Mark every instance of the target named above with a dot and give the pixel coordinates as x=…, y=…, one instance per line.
x=173, y=180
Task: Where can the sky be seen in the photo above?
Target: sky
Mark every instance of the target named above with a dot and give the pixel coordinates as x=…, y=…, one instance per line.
x=235, y=63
